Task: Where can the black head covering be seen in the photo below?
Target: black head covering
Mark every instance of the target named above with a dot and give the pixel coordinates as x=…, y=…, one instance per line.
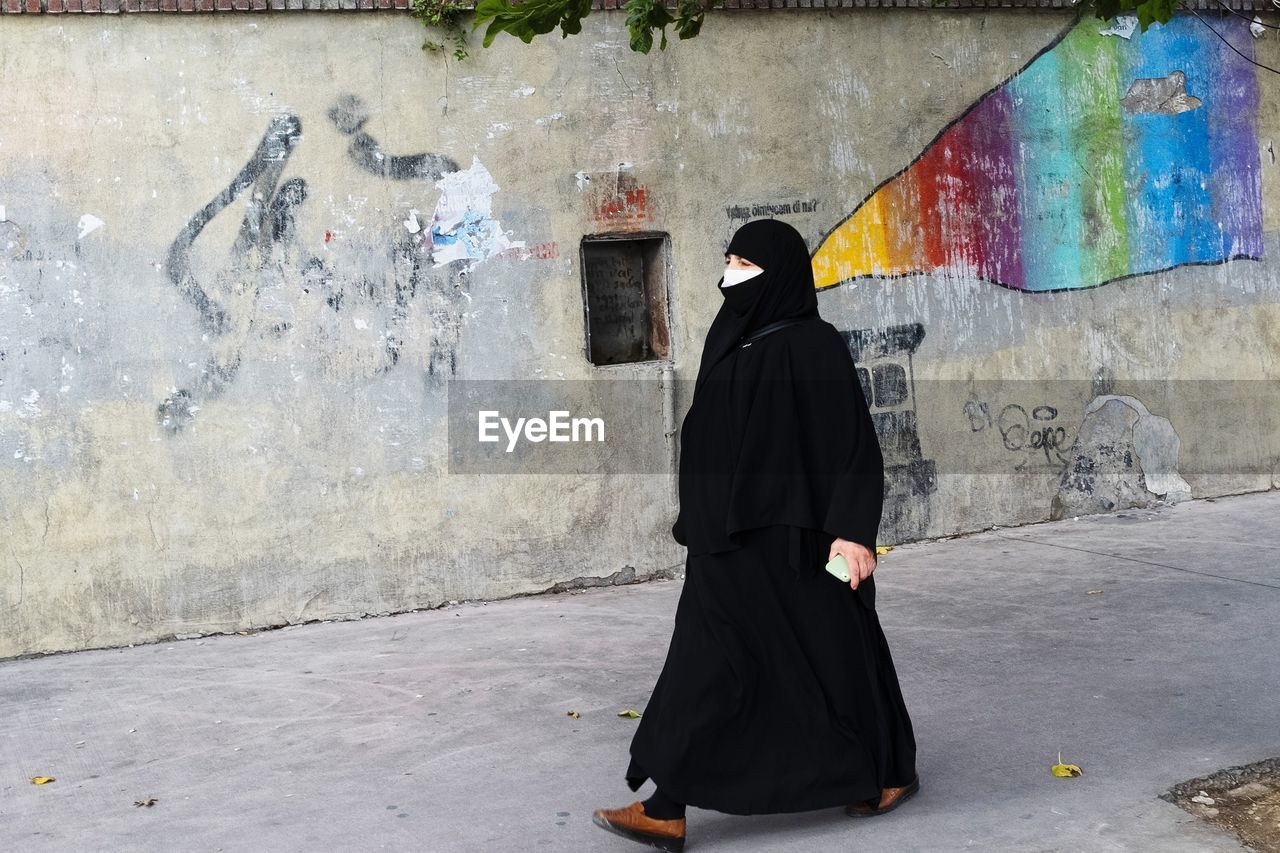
x=785, y=290
x=778, y=432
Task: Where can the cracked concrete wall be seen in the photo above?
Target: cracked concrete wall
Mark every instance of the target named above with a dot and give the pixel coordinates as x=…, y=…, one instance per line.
x=241, y=260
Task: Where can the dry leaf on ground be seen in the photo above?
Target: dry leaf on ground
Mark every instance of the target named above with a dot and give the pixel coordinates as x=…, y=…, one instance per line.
x=1061, y=769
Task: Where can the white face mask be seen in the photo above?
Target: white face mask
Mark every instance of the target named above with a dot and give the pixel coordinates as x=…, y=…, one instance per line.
x=736, y=276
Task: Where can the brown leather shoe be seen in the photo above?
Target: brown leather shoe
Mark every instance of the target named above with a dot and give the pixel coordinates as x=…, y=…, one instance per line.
x=631, y=822
x=890, y=799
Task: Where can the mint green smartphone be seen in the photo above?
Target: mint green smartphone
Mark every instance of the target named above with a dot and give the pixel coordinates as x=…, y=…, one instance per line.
x=839, y=567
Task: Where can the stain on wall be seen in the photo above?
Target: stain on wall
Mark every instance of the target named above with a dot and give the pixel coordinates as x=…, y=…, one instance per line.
x=618, y=200
x=1103, y=158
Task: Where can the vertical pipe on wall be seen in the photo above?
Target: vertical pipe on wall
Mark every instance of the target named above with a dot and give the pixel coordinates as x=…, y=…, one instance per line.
x=669, y=431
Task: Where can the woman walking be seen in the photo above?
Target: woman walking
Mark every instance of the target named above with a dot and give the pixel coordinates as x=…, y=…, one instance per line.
x=778, y=693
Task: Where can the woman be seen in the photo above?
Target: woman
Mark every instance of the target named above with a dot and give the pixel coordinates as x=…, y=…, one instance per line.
x=778, y=693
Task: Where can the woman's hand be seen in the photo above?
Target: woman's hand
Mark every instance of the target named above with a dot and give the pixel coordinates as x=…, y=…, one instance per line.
x=861, y=560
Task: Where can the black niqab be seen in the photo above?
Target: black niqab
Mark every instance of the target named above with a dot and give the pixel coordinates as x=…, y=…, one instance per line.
x=778, y=431
x=785, y=289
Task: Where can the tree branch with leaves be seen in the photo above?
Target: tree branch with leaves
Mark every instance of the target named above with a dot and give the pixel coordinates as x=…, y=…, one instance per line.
x=646, y=18
x=530, y=18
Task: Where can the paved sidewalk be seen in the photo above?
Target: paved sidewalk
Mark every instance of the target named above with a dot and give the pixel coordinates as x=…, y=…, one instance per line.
x=447, y=730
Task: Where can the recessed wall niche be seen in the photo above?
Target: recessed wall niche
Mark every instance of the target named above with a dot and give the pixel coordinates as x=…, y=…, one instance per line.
x=625, y=294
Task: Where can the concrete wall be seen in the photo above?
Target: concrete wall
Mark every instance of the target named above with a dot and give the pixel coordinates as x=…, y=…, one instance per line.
x=227, y=331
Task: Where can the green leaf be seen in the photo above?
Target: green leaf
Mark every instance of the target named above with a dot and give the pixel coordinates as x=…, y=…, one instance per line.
x=546, y=22
x=530, y=18
x=643, y=17
x=1146, y=16
x=486, y=9
x=1108, y=9
x=489, y=34
x=689, y=18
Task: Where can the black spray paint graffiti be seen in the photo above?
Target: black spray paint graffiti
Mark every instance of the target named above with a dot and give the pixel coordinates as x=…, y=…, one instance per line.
x=883, y=359
x=349, y=115
x=1038, y=431
x=445, y=302
x=266, y=248
x=262, y=172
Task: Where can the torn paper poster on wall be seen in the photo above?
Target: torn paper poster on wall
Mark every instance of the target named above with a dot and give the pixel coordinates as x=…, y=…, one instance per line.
x=1123, y=26
x=463, y=227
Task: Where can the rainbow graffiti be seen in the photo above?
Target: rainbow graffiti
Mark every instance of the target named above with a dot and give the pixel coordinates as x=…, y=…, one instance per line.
x=1103, y=158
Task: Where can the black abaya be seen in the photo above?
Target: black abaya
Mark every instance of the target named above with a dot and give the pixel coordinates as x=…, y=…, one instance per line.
x=778, y=693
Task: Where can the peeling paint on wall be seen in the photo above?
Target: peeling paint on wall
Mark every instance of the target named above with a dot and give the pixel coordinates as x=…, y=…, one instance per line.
x=1160, y=95
x=88, y=224
x=1123, y=456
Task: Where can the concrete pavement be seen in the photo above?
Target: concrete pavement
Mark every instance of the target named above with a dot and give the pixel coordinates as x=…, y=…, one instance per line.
x=447, y=730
